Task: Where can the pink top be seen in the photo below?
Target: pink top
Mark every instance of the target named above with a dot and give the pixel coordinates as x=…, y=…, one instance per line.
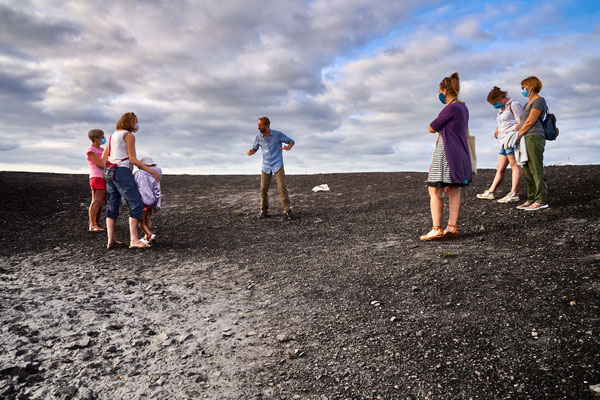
x=95, y=171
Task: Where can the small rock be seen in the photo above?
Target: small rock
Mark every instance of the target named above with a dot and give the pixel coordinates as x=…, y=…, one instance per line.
x=80, y=344
x=478, y=374
x=572, y=304
x=296, y=353
x=283, y=338
x=595, y=389
x=251, y=333
x=161, y=337
x=393, y=319
x=68, y=392
x=227, y=333
x=185, y=337
x=419, y=333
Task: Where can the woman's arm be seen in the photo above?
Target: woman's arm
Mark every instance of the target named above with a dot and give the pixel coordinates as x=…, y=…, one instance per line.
x=105, y=155
x=97, y=160
x=442, y=119
x=130, y=142
x=524, y=127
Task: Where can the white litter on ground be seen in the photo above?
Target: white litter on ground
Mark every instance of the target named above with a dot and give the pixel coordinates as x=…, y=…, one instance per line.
x=321, y=188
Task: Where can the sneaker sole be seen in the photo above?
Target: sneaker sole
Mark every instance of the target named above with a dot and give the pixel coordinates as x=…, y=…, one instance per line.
x=507, y=201
x=537, y=208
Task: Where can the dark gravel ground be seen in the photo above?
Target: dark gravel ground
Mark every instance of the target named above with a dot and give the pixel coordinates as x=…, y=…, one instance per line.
x=344, y=303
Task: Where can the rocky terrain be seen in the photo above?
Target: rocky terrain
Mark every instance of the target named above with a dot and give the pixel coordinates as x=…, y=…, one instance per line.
x=343, y=303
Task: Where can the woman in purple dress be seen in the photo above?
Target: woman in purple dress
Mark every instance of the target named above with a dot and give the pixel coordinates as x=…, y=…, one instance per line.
x=451, y=164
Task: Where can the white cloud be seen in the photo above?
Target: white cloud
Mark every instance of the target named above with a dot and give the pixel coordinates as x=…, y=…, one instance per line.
x=199, y=75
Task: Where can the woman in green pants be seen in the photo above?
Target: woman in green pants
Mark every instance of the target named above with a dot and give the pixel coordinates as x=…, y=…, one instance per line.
x=531, y=132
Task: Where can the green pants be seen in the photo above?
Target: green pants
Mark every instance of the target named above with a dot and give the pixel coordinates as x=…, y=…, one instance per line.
x=533, y=170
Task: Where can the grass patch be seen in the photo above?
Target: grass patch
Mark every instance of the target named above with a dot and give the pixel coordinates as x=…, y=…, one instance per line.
x=448, y=254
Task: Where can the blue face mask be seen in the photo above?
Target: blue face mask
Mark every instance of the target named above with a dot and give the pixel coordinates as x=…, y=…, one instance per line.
x=498, y=106
x=103, y=141
x=525, y=93
x=442, y=98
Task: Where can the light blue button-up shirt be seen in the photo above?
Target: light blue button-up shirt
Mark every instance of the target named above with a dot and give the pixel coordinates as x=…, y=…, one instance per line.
x=271, y=150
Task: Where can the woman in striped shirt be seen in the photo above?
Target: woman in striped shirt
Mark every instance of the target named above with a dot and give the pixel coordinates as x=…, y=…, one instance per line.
x=451, y=164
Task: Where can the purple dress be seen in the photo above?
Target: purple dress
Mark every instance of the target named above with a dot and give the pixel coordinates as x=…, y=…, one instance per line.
x=451, y=163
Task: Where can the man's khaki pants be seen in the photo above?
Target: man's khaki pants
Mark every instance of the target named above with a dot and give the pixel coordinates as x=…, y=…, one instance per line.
x=265, y=182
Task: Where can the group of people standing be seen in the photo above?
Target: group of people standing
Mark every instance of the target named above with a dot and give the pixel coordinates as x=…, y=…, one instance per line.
x=523, y=140
x=519, y=129
x=141, y=189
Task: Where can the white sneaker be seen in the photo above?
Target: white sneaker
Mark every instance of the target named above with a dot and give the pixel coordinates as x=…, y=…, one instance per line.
x=486, y=195
x=144, y=241
x=509, y=197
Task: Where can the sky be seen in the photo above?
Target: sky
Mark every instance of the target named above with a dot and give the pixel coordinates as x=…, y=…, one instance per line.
x=353, y=82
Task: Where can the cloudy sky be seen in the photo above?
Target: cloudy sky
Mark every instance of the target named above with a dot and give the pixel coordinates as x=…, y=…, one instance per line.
x=354, y=82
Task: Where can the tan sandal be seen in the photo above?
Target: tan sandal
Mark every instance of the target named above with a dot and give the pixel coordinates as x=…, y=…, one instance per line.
x=435, y=234
x=452, y=233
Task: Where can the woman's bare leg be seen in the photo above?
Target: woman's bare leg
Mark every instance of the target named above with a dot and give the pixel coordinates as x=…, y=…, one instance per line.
x=110, y=231
x=98, y=196
x=134, y=239
x=453, y=204
x=516, y=172
x=98, y=200
x=500, y=171
x=436, y=204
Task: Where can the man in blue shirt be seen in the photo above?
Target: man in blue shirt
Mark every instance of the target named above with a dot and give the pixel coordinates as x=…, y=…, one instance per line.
x=271, y=143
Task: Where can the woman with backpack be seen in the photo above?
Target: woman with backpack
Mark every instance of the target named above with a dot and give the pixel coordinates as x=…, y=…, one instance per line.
x=531, y=131
x=509, y=116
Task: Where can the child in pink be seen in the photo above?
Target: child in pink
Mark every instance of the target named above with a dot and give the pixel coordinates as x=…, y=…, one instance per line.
x=149, y=189
x=93, y=156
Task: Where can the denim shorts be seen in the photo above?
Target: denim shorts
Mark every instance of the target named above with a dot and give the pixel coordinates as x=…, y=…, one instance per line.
x=506, y=152
x=123, y=186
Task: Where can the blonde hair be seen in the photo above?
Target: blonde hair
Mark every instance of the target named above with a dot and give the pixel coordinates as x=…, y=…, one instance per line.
x=95, y=133
x=532, y=82
x=496, y=94
x=451, y=84
x=127, y=122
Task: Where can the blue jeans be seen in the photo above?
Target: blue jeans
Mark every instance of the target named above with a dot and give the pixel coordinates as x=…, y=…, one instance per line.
x=123, y=185
x=506, y=152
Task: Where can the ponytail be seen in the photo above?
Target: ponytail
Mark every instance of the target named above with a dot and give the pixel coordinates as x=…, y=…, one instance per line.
x=496, y=94
x=451, y=84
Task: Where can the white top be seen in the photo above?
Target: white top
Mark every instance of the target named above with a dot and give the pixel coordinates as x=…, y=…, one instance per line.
x=509, y=118
x=118, y=150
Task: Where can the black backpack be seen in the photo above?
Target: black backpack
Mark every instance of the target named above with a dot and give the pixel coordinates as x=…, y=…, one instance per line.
x=549, y=125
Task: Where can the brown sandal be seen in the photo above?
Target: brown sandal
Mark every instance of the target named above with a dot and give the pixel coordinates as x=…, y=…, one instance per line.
x=453, y=233
x=435, y=234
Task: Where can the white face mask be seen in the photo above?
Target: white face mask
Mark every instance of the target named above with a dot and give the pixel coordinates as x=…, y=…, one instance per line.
x=137, y=126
